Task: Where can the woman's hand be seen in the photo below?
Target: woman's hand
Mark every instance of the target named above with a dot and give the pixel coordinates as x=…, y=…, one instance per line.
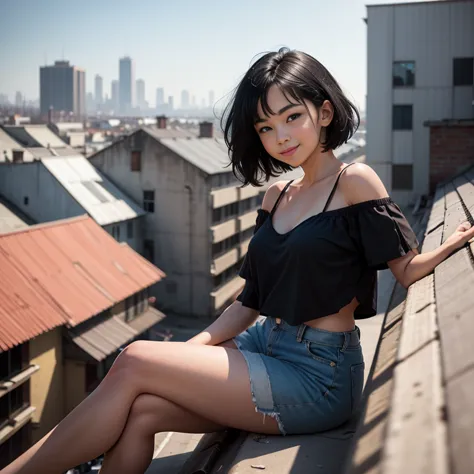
x=461, y=235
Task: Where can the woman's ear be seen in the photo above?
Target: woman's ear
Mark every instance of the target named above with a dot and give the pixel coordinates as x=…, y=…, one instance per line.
x=326, y=113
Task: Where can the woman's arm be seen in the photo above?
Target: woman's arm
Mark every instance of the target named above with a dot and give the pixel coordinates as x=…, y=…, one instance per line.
x=360, y=183
x=235, y=319
x=414, y=266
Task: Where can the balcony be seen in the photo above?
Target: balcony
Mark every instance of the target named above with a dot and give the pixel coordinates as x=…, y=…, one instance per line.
x=223, y=294
x=247, y=220
x=223, y=231
x=16, y=423
x=222, y=197
x=7, y=385
x=224, y=261
x=248, y=192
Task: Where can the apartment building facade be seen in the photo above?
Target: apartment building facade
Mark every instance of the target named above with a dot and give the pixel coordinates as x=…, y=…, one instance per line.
x=420, y=69
x=199, y=220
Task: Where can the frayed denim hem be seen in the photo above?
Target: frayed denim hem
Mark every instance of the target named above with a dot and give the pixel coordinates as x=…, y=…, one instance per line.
x=260, y=386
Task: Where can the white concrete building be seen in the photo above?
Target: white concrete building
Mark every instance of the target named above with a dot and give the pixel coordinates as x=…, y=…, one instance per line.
x=419, y=68
x=53, y=188
x=199, y=220
x=29, y=142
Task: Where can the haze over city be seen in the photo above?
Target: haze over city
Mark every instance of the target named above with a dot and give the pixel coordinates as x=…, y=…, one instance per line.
x=181, y=45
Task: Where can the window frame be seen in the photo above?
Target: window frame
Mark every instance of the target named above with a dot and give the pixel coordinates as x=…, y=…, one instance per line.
x=459, y=75
x=399, y=126
x=149, y=202
x=400, y=177
x=414, y=74
x=136, y=161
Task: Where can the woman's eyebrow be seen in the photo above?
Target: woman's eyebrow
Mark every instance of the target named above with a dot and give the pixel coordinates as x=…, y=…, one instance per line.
x=282, y=110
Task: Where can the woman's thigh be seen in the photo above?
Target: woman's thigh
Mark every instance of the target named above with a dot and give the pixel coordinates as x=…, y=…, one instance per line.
x=210, y=381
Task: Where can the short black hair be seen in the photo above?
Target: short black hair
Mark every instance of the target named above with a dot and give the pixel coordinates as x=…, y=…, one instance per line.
x=300, y=77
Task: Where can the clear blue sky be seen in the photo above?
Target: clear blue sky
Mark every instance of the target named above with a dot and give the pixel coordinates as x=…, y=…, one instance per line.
x=178, y=44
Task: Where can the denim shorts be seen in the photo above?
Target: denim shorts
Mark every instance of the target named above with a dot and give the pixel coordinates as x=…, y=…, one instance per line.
x=308, y=379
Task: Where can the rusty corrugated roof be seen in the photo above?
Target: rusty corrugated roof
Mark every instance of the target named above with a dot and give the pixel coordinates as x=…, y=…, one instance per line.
x=64, y=273
x=106, y=337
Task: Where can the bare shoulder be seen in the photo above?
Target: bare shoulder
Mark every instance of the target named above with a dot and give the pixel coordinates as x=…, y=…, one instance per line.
x=361, y=183
x=271, y=195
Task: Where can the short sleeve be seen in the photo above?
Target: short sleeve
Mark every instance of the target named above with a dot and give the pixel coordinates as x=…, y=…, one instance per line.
x=383, y=233
x=249, y=295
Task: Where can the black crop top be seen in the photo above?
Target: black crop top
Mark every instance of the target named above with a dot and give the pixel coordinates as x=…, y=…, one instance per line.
x=318, y=267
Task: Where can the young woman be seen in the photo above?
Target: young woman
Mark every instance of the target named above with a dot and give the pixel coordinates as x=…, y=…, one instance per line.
x=310, y=269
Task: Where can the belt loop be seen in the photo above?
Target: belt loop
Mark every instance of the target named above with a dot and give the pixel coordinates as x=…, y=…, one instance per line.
x=347, y=339
x=301, y=330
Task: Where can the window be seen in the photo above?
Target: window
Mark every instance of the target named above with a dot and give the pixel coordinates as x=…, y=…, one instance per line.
x=463, y=71
x=136, y=161
x=403, y=73
x=25, y=200
x=402, y=177
x=402, y=118
x=116, y=232
x=149, y=201
x=130, y=230
x=92, y=380
x=149, y=250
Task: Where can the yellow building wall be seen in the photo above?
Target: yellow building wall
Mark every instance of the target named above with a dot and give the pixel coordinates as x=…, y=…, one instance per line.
x=47, y=393
x=75, y=383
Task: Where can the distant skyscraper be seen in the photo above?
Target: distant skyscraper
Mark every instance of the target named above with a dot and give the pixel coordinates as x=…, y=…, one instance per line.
x=99, y=90
x=63, y=87
x=18, y=99
x=211, y=98
x=170, y=103
x=185, y=99
x=114, y=95
x=126, y=85
x=141, y=94
x=160, y=97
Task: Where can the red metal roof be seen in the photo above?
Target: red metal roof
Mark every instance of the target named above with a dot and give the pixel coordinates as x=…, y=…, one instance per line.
x=64, y=272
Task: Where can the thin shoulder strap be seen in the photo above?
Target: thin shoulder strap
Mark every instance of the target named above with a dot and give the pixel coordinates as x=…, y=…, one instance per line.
x=335, y=187
x=279, y=197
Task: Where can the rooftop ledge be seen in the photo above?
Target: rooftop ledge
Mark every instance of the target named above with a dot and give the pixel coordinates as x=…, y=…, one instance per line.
x=449, y=123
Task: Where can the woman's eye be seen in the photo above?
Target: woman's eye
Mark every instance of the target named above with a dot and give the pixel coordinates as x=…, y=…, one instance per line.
x=293, y=117
x=264, y=129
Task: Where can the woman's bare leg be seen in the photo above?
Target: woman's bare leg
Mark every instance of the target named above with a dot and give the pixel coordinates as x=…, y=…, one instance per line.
x=212, y=382
x=150, y=414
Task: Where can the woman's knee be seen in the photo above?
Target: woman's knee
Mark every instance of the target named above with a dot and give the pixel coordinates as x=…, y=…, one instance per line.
x=149, y=412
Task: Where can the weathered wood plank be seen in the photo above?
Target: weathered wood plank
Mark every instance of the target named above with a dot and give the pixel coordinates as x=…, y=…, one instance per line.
x=370, y=435
x=416, y=435
x=466, y=190
x=419, y=321
x=433, y=240
x=437, y=211
x=451, y=196
x=454, y=287
x=459, y=394
x=455, y=215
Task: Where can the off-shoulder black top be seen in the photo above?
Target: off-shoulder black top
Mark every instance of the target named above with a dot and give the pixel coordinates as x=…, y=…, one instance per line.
x=318, y=267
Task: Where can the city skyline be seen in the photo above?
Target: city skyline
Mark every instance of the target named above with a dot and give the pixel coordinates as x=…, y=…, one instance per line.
x=175, y=51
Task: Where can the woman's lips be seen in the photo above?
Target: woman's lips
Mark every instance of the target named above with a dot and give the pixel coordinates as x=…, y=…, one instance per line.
x=289, y=151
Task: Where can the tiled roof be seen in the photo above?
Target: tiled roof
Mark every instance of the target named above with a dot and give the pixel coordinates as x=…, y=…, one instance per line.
x=64, y=273
x=100, y=198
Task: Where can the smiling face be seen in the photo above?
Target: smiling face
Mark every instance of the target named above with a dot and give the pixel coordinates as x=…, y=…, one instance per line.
x=293, y=132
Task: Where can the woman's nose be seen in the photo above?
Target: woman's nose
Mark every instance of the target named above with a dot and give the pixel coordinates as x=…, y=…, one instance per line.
x=282, y=137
